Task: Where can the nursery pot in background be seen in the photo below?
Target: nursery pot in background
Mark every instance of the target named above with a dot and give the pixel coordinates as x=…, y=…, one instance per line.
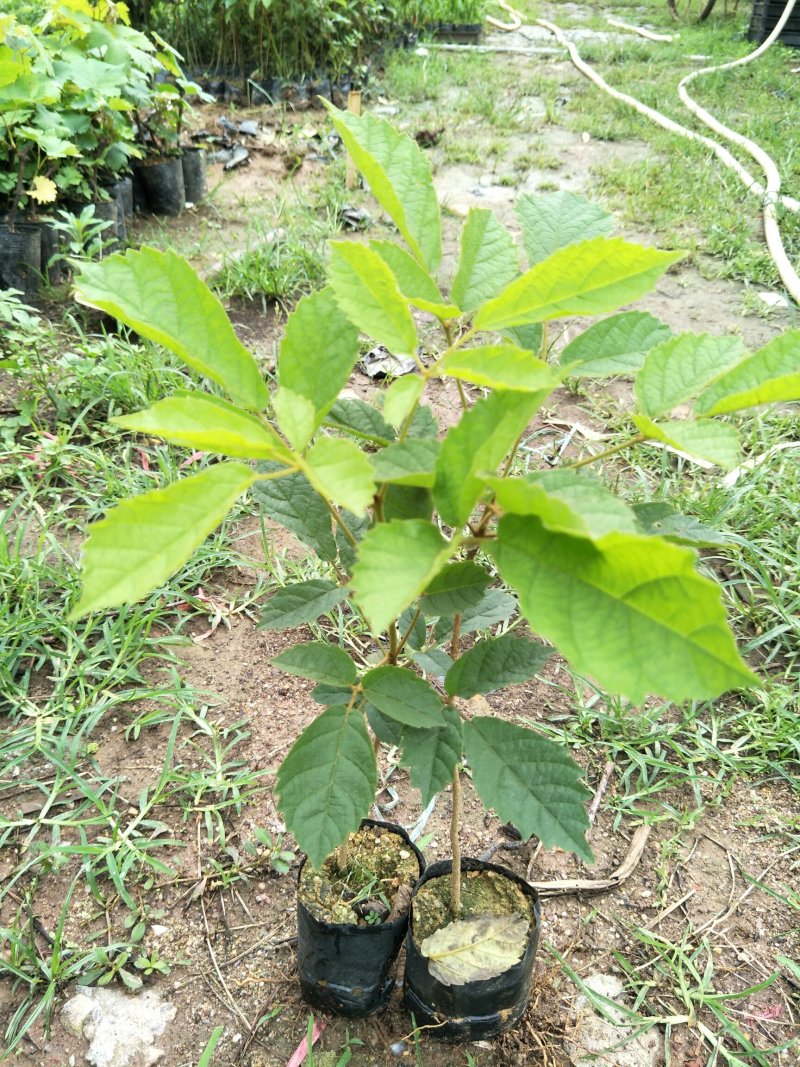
x=344, y=967
x=21, y=258
x=163, y=185
x=476, y=1010
x=194, y=174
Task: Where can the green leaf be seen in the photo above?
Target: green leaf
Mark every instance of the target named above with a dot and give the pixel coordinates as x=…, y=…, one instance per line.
x=318, y=351
x=361, y=419
x=678, y=369
x=455, y=588
x=145, y=539
x=340, y=471
x=410, y=462
x=489, y=260
x=407, y=502
x=294, y=503
x=616, y=345
x=475, y=949
x=400, y=398
x=501, y=367
x=529, y=781
x=716, y=442
x=418, y=631
x=431, y=755
x=327, y=782
x=479, y=443
x=565, y=501
x=403, y=696
x=554, y=220
x=496, y=606
x=300, y=602
x=162, y=298
x=434, y=662
x=770, y=375
x=423, y=423
x=399, y=175
x=367, y=292
x=601, y=601
x=208, y=423
x=396, y=560
x=495, y=662
x=416, y=285
x=358, y=526
x=296, y=417
x=529, y=336
x=584, y=279
x=659, y=519
x=330, y=694
x=319, y=661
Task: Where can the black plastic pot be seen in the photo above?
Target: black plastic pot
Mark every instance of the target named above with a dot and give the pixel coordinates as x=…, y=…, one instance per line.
x=163, y=183
x=115, y=234
x=52, y=244
x=456, y=33
x=193, y=161
x=477, y=1010
x=344, y=968
x=122, y=191
x=21, y=258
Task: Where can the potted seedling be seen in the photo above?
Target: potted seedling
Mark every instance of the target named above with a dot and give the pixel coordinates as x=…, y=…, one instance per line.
x=427, y=539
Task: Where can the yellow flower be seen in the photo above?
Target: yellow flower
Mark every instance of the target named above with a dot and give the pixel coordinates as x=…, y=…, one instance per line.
x=43, y=190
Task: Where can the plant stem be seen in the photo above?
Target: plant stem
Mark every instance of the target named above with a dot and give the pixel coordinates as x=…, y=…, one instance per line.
x=605, y=454
x=455, y=846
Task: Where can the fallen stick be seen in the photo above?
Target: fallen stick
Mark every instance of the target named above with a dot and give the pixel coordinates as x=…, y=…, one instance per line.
x=565, y=886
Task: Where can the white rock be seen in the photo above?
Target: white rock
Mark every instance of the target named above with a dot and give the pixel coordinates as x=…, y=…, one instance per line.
x=121, y=1027
x=773, y=300
x=75, y=1013
x=594, y=1041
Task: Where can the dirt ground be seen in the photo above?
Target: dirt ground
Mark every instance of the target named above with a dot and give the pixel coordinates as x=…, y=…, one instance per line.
x=233, y=947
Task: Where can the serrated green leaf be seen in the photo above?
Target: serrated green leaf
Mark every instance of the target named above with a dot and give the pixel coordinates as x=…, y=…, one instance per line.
x=565, y=501
x=357, y=526
x=583, y=279
x=403, y=696
x=361, y=419
x=295, y=504
x=145, y=539
x=418, y=630
x=367, y=292
x=416, y=285
x=456, y=587
x=400, y=398
x=496, y=606
x=330, y=694
x=627, y=609
x=529, y=781
x=479, y=443
x=300, y=602
x=770, y=375
x=296, y=417
x=423, y=423
x=488, y=261
x=554, y=220
x=411, y=462
x=318, y=351
x=716, y=442
x=208, y=423
x=340, y=471
x=662, y=520
x=396, y=560
x=616, y=345
x=430, y=754
x=495, y=662
x=475, y=949
x=327, y=782
x=677, y=370
x=319, y=661
x=434, y=661
x=501, y=367
x=162, y=298
x=399, y=175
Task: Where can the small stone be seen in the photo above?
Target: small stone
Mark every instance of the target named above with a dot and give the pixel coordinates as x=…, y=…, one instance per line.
x=75, y=1013
x=403, y=854
x=398, y=1048
x=157, y=930
x=72, y=1060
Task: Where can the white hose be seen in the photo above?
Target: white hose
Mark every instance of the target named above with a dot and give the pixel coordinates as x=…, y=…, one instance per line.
x=508, y=26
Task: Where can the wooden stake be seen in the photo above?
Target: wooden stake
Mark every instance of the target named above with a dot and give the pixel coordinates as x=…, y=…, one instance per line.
x=354, y=106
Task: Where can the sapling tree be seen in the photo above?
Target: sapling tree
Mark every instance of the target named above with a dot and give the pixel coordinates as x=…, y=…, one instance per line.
x=430, y=538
